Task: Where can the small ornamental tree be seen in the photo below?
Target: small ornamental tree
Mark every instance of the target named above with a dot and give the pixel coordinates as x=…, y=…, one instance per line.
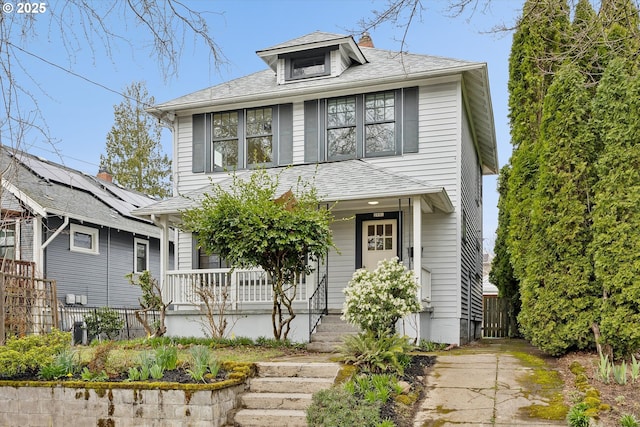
x=375, y=300
x=253, y=224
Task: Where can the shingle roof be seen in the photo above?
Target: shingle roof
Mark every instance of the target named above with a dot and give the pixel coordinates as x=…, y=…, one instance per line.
x=381, y=67
x=334, y=182
x=54, y=189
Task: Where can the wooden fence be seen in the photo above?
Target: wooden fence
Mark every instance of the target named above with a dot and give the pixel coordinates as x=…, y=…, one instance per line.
x=27, y=305
x=495, y=317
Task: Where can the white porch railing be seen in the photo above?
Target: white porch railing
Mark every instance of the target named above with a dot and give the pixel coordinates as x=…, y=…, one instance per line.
x=237, y=286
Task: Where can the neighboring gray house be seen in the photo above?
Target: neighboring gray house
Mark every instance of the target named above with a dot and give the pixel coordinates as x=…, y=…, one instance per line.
x=77, y=230
x=400, y=141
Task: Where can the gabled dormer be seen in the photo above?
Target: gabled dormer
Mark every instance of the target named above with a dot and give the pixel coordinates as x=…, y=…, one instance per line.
x=314, y=56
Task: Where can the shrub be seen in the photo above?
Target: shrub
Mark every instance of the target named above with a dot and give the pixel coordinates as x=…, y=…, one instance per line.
x=375, y=300
x=336, y=407
x=577, y=417
x=103, y=322
x=32, y=352
x=376, y=354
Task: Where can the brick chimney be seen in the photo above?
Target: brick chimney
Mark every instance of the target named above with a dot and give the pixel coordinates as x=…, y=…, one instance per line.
x=104, y=175
x=365, y=40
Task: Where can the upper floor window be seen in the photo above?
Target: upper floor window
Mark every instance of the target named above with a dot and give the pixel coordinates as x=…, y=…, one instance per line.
x=244, y=138
x=303, y=65
x=372, y=115
x=84, y=239
x=361, y=125
x=141, y=255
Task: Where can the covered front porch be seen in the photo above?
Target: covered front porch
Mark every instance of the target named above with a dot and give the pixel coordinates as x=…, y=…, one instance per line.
x=378, y=215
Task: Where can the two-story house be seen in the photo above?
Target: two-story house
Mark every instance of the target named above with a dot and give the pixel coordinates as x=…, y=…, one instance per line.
x=398, y=141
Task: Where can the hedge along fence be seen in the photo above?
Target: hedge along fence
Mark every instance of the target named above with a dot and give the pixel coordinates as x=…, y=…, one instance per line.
x=27, y=403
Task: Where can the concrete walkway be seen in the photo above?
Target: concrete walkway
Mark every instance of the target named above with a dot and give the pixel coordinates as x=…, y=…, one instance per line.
x=495, y=383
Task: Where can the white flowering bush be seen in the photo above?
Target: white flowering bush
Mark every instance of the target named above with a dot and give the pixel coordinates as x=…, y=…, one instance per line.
x=375, y=300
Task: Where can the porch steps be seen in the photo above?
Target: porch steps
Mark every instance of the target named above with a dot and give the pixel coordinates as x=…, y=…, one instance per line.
x=282, y=392
x=330, y=333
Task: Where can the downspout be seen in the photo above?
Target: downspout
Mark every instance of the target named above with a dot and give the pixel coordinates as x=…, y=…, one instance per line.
x=49, y=240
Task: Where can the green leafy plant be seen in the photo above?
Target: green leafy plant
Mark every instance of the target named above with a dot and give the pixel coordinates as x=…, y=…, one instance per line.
x=620, y=373
x=635, y=369
x=87, y=375
x=199, y=364
x=167, y=357
x=156, y=371
x=431, y=346
x=375, y=300
x=576, y=417
x=134, y=374
x=64, y=364
x=373, y=388
x=629, y=420
x=337, y=407
x=376, y=354
x=103, y=322
x=604, y=369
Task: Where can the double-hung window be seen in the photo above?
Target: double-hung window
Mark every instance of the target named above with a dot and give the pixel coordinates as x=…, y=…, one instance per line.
x=141, y=255
x=259, y=136
x=8, y=240
x=379, y=123
x=225, y=140
x=341, y=127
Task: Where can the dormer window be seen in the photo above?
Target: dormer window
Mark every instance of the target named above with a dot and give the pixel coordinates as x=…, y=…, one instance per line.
x=303, y=65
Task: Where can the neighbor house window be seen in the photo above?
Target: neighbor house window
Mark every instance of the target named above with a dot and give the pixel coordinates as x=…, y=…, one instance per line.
x=84, y=239
x=8, y=240
x=225, y=140
x=141, y=255
x=341, y=127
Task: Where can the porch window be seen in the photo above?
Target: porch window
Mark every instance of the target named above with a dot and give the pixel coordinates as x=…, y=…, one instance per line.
x=211, y=261
x=84, y=239
x=8, y=240
x=141, y=255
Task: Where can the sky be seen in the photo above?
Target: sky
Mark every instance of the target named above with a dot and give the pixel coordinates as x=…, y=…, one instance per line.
x=79, y=113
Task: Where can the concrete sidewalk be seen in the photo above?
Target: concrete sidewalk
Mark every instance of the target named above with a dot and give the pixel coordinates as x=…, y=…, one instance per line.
x=496, y=383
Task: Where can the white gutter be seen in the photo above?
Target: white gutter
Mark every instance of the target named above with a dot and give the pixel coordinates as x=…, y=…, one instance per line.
x=55, y=233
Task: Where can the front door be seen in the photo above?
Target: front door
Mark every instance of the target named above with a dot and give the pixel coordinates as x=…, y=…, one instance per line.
x=379, y=241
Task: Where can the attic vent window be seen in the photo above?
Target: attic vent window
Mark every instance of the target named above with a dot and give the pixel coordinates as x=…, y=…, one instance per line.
x=308, y=64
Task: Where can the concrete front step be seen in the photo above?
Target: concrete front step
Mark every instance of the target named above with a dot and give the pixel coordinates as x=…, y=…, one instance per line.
x=336, y=337
x=294, y=369
x=324, y=347
x=297, y=401
x=286, y=384
x=270, y=418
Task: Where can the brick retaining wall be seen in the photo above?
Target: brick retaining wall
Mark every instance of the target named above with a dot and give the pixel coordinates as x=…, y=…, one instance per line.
x=57, y=405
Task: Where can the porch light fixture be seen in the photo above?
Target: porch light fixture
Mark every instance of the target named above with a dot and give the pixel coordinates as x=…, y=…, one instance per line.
x=373, y=202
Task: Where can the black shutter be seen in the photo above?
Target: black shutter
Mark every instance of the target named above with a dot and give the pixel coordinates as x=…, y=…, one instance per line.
x=410, y=120
x=285, y=134
x=198, y=146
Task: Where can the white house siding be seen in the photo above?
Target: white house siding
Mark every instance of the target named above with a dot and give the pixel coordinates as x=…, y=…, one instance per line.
x=471, y=244
x=341, y=265
x=436, y=163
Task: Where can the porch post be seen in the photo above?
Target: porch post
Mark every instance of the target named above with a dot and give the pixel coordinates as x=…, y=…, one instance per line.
x=163, y=222
x=417, y=253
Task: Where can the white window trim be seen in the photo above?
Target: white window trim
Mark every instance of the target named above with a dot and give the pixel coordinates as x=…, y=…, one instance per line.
x=144, y=242
x=95, y=239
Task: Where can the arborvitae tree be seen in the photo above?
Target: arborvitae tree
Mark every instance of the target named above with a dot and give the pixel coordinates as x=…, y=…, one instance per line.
x=616, y=218
x=587, y=42
x=621, y=27
x=501, y=273
x=537, y=45
x=133, y=151
x=559, y=299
